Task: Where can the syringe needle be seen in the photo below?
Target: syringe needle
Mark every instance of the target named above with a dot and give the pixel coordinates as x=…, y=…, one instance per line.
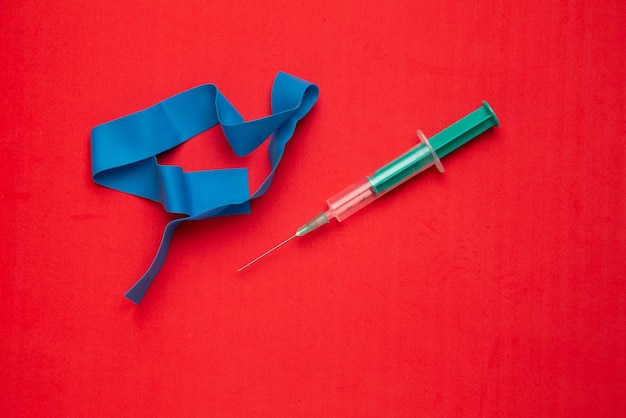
x=422, y=156
x=267, y=252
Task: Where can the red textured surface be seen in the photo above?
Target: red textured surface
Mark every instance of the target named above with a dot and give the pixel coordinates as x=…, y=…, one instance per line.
x=495, y=289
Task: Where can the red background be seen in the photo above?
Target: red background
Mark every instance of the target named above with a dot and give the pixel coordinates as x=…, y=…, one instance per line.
x=495, y=289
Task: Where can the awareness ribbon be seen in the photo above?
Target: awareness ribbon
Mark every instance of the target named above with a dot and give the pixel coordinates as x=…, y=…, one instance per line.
x=123, y=154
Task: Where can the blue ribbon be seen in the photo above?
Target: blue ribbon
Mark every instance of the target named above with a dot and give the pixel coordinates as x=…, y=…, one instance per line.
x=123, y=154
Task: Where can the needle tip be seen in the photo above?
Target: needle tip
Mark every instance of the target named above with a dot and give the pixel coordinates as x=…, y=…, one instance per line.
x=266, y=253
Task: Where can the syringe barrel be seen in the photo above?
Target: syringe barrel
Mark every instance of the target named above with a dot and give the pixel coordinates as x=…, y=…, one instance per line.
x=351, y=199
x=414, y=161
x=366, y=190
x=405, y=167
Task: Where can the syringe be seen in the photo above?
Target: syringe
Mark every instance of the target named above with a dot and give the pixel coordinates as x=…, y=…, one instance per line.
x=424, y=155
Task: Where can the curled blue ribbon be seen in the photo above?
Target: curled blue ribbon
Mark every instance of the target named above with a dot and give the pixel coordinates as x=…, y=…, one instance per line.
x=123, y=154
